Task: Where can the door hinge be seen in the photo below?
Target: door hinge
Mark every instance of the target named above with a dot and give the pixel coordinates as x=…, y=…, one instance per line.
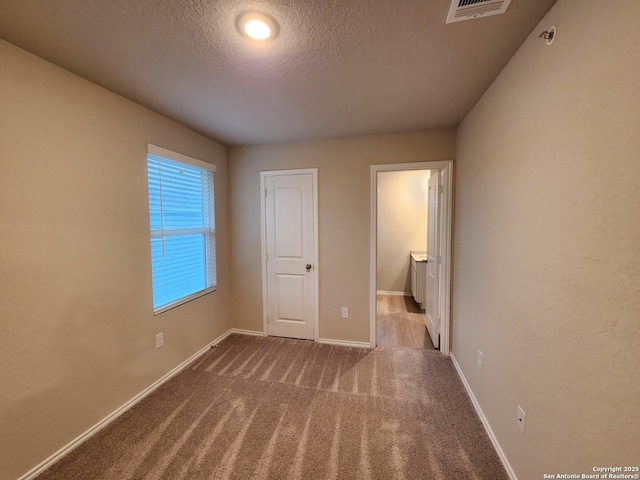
x=438, y=259
x=439, y=188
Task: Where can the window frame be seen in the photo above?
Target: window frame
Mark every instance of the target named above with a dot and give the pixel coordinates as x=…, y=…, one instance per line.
x=211, y=275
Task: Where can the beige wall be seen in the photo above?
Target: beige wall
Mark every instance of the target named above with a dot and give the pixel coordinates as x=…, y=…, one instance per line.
x=547, y=234
x=402, y=225
x=76, y=317
x=344, y=211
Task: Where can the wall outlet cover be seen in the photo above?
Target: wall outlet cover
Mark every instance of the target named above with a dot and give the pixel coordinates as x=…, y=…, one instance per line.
x=522, y=418
x=345, y=312
x=159, y=339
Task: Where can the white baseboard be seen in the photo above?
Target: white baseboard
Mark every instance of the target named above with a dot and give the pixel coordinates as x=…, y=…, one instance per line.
x=328, y=341
x=344, y=343
x=485, y=422
x=41, y=467
x=242, y=331
x=38, y=469
x=393, y=293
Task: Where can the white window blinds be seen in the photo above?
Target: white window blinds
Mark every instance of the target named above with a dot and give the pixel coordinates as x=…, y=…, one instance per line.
x=182, y=220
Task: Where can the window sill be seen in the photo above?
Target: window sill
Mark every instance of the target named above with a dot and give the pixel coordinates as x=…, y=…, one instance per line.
x=183, y=300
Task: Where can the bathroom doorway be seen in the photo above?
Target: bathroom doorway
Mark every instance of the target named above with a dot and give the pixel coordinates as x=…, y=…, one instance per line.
x=402, y=220
x=399, y=221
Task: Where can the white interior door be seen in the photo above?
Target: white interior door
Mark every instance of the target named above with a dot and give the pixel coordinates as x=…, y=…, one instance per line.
x=432, y=317
x=290, y=255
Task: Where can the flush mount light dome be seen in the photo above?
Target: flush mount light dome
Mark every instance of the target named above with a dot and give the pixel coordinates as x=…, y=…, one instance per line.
x=257, y=26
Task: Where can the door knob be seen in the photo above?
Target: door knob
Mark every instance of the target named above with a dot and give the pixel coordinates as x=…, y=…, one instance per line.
x=309, y=267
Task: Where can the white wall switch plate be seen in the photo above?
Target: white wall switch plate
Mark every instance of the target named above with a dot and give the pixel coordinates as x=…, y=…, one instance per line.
x=345, y=312
x=522, y=418
x=159, y=339
x=480, y=360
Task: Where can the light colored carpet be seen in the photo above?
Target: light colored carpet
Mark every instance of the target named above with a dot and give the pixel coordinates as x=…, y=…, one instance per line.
x=271, y=408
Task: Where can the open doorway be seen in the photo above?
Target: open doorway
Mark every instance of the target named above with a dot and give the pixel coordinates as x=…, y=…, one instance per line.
x=410, y=275
x=402, y=224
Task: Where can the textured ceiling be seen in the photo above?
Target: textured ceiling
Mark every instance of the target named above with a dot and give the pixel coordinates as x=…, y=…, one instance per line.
x=337, y=68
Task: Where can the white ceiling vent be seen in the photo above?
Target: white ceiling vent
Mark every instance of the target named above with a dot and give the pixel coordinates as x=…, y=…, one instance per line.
x=469, y=9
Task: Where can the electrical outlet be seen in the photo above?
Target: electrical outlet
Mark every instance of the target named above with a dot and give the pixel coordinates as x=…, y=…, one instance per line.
x=159, y=339
x=480, y=360
x=345, y=312
x=522, y=418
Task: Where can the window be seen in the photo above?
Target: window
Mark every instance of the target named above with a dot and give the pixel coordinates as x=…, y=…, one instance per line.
x=182, y=220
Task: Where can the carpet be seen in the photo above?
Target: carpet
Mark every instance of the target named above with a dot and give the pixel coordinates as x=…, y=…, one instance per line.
x=274, y=408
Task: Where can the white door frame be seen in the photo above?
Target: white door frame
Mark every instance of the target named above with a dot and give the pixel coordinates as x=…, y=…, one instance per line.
x=263, y=235
x=446, y=167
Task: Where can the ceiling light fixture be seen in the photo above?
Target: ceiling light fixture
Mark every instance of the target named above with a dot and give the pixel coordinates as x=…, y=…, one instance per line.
x=257, y=26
